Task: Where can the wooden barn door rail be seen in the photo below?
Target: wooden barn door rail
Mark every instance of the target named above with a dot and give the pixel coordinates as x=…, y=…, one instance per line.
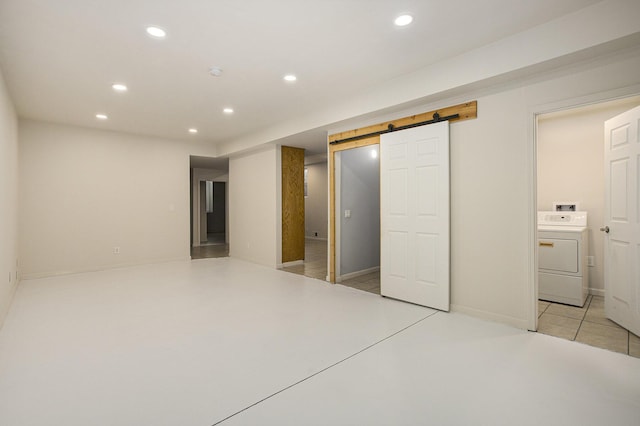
x=392, y=128
x=370, y=135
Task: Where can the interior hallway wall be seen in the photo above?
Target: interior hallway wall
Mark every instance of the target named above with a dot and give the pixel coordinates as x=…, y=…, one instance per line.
x=255, y=206
x=571, y=168
x=8, y=200
x=84, y=192
x=316, y=202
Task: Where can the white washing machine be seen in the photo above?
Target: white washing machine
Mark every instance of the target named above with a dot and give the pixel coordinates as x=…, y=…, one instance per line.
x=563, y=246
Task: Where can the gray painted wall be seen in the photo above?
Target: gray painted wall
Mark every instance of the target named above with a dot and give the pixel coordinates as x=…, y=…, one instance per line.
x=359, y=193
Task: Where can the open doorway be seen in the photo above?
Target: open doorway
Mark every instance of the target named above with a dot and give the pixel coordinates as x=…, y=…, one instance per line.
x=357, y=185
x=570, y=171
x=314, y=264
x=209, y=207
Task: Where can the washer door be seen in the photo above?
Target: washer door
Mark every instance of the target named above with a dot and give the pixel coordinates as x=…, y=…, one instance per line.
x=558, y=255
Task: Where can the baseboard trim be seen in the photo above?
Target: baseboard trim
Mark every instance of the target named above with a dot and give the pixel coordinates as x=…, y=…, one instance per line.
x=357, y=273
x=314, y=238
x=596, y=291
x=38, y=275
x=287, y=264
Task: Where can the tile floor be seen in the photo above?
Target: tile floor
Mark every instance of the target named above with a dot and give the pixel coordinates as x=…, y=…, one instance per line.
x=315, y=266
x=369, y=282
x=210, y=251
x=222, y=341
x=215, y=246
x=586, y=325
x=315, y=262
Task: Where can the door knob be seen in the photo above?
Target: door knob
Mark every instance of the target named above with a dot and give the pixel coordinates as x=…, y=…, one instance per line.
x=605, y=229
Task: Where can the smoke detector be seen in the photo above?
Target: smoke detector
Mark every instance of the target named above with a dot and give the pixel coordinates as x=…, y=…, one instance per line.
x=215, y=71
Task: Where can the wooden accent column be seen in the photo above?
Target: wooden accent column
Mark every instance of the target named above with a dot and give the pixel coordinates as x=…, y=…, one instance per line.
x=466, y=111
x=292, y=204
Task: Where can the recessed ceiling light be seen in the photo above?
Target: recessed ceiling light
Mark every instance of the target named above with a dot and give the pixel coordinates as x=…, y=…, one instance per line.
x=101, y=116
x=156, y=32
x=193, y=130
x=290, y=77
x=228, y=110
x=118, y=87
x=403, y=20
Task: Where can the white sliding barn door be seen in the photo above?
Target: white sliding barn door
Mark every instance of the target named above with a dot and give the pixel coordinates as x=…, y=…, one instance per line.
x=622, y=220
x=414, y=215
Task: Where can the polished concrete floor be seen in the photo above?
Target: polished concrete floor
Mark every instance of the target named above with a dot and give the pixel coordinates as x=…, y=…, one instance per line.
x=222, y=341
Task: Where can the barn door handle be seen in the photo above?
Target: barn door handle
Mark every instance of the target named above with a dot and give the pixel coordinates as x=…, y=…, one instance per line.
x=605, y=229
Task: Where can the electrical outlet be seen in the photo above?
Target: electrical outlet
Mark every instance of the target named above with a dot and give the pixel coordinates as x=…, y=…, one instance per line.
x=591, y=261
x=116, y=250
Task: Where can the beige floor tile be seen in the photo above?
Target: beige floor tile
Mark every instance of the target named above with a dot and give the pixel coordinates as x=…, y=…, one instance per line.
x=595, y=314
x=320, y=275
x=542, y=306
x=558, y=326
x=210, y=251
x=597, y=300
x=604, y=336
x=373, y=290
x=566, y=311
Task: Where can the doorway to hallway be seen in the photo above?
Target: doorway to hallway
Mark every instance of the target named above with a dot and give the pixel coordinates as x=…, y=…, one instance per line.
x=209, y=207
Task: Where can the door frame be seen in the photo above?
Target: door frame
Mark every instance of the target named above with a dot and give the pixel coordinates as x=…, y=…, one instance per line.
x=375, y=140
x=532, y=148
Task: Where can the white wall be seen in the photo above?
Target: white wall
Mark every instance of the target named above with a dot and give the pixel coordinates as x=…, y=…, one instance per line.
x=360, y=194
x=571, y=168
x=493, y=187
x=316, y=203
x=8, y=200
x=84, y=192
x=255, y=206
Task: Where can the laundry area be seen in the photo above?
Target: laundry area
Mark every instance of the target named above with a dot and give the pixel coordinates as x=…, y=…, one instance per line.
x=578, y=199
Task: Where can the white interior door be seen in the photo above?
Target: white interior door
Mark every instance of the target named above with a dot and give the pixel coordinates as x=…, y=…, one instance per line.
x=414, y=215
x=622, y=217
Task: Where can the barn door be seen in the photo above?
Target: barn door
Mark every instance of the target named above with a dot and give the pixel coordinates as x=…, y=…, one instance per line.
x=414, y=215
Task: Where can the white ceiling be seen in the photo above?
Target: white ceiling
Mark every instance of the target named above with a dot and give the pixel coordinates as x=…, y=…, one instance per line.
x=59, y=58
